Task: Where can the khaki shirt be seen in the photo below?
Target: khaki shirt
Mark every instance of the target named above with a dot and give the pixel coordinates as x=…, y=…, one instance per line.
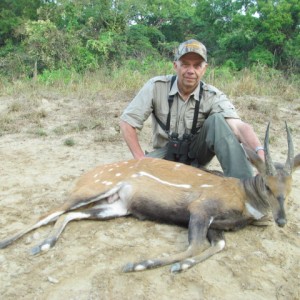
x=154, y=95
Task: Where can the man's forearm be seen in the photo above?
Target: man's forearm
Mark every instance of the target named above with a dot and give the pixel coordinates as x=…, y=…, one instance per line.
x=246, y=135
x=130, y=136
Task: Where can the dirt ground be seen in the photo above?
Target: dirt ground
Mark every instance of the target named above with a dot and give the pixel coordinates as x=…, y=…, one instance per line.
x=36, y=173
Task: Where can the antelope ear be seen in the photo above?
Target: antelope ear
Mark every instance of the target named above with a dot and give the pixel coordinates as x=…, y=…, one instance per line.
x=255, y=160
x=296, y=162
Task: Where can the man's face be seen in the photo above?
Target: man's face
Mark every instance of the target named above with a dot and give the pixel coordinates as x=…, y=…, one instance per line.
x=190, y=69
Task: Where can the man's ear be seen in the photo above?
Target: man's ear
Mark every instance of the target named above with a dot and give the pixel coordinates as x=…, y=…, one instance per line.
x=175, y=65
x=204, y=67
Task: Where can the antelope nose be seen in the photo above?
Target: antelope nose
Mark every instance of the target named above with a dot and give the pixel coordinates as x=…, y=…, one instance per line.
x=281, y=222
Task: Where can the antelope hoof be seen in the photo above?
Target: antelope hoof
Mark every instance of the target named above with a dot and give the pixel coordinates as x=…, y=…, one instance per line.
x=176, y=268
x=129, y=267
x=141, y=266
x=35, y=250
x=182, y=266
x=40, y=248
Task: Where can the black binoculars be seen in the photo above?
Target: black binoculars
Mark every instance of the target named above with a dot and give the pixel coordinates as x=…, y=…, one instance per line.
x=178, y=148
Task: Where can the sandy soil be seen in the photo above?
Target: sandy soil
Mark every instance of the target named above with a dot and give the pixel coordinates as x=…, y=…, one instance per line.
x=38, y=171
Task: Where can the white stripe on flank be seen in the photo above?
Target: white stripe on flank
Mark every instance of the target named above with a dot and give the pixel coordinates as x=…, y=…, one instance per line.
x=185, y=186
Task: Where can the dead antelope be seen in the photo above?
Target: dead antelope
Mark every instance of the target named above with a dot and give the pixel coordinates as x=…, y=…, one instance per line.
x=171, y=192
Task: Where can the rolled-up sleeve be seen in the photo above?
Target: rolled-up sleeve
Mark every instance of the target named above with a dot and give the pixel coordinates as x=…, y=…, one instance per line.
x=140, y=108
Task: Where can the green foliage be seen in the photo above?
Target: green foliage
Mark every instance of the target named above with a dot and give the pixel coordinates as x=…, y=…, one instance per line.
x=262, y=56
x=103, y=46
x=143, y=41
x=230, y=65
x=12, y=14
x=84, y=60
x=50, y=47
x=61, y=76
x=82, y=35
x=149, y=65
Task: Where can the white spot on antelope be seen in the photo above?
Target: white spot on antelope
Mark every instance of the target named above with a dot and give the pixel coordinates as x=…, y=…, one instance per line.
x=206, y=185
x=96, y=175
x=118, y=174
x=106, y=182
x=177, y=166
x=111, y=169
x=97, y=180
x=199, y=174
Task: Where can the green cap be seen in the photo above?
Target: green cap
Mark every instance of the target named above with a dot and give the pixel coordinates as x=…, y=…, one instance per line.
x=191, y=46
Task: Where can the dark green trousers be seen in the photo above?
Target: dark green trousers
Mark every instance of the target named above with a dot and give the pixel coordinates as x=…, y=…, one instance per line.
x=216, y=138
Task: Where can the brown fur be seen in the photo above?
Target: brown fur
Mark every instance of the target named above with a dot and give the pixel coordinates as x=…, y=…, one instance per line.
x=170, y=192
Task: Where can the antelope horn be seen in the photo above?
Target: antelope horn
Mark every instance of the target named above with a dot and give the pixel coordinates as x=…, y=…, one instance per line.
x=270, y=168
x=290, y=157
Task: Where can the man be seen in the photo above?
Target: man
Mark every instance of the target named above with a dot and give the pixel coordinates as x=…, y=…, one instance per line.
x=216, y=130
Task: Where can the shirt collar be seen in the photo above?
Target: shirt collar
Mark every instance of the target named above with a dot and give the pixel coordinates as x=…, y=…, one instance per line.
x=174, y=90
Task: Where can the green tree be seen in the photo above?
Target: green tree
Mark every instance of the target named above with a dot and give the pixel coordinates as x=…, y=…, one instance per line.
x=49, y=47
x=278, y=30
x=81, y=34
x=249, y=31
x=12, y=15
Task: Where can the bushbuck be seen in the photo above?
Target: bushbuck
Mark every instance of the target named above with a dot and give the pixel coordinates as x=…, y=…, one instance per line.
x=171, y=192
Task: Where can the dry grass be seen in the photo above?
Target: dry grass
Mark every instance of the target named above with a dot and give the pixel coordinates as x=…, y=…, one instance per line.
x=260, y=81
x=94, y=102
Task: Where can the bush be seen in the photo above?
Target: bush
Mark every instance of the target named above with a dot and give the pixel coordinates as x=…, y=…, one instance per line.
x=262, y=56
x=62, y=76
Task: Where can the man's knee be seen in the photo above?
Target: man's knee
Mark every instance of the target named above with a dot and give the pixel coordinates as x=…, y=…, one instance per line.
x=215, y=118
x=216, y=121
x=215, y=128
